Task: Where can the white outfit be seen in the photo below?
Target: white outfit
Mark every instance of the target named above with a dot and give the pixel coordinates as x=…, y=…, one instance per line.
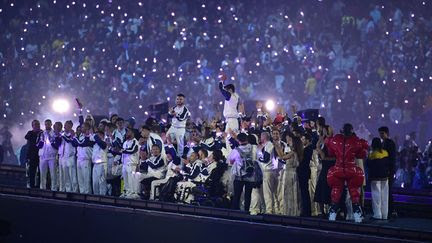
x=99, y=160
x=379, y=191
x=171, y=167
x=269, y=167
x=156, y=139
x=231, y=113
x=130, y=158
x=183, y=186
x=84, y=157
x=158, y=172
x=67, y=164
x=47, y=159
x=178, y=127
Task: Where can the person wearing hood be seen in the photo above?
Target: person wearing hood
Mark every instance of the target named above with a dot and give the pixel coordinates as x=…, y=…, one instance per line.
x=378, y=164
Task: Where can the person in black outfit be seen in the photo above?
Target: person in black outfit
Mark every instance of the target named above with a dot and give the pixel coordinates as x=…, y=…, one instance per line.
x=303, y=173
x=390, y=147
x=323, y=190
x=32, y=162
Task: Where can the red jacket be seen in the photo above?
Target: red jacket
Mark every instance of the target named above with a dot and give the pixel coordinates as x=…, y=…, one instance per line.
x=346, y=149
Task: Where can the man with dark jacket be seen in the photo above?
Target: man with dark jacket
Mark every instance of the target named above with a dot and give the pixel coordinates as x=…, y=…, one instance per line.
x=390, y=147
x=32, y=161
x=303, y=173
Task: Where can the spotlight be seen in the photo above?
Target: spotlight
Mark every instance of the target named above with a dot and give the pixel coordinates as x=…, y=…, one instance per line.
x=270, y=105
x=60, y=105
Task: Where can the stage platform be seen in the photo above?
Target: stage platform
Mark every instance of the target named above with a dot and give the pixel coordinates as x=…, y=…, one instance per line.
x=23, y=210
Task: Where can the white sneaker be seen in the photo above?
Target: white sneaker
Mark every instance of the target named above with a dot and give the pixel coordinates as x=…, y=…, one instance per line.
x=332, y=216
x=133, y=196
x=358, y=217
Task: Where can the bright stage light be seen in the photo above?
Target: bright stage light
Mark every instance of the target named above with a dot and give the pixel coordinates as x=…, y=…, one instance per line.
x=60, y=105
x=270, y=105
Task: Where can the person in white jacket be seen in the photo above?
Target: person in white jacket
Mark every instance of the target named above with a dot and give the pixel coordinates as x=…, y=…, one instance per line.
x=99, y=159
x=269, y=166
x=179, y=115
x=67, y=161
x=154, y=168
x=231, y=105
x=173, y=169
x=84, y=157
x=130, y=158
x=48, y=144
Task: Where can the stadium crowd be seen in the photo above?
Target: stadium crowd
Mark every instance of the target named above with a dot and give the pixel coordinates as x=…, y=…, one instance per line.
x=371, y=60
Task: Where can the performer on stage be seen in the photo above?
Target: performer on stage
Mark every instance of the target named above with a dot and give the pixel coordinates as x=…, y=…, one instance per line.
x=346, y=148
x=179, y=115
x=230, y=111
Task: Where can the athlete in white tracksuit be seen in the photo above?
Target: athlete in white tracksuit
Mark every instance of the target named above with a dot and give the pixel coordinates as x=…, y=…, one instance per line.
x=67, y=161
x=173, y=167
x=179, y=115
x=155, y=169
x=130, y=158
x=48, y=144
x=153, y=138
x=269, y=167
x=84, y=157
x=99, y=159
x=230, y=111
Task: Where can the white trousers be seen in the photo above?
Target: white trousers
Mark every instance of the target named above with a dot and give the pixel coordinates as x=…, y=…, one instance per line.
x=257, y=205
x=44, y=165
x=136, y=179
x=68, y=174
x=99, y=178
x=178, y=134
x=280, y=192
x=60, y=179
x=127, y=170
x=232, y=123
x=84, y=175
x=270, y=186
x=379, y=190
x=155, y=184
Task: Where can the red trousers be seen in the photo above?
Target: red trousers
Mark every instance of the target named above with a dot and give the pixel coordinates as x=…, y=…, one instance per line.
x=353, y=176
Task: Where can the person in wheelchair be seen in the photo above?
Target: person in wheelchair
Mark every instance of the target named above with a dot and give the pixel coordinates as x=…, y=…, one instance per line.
x=211, y=191
x=151, y=169
x=191, y=173
x=173, y=169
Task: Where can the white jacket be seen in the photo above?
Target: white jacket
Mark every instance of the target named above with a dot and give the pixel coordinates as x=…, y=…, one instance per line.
x=66, y=148
x=47, y=151
x=99, y=154
x=84, y=147
x=230, y=107
x=181, y=115
x=130, y=153
x=156, y=167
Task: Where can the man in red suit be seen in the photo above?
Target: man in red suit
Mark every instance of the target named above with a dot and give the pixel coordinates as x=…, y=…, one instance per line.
x=346, y=147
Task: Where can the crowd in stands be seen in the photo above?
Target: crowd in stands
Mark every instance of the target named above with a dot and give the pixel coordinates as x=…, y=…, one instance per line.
x=371, y=60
